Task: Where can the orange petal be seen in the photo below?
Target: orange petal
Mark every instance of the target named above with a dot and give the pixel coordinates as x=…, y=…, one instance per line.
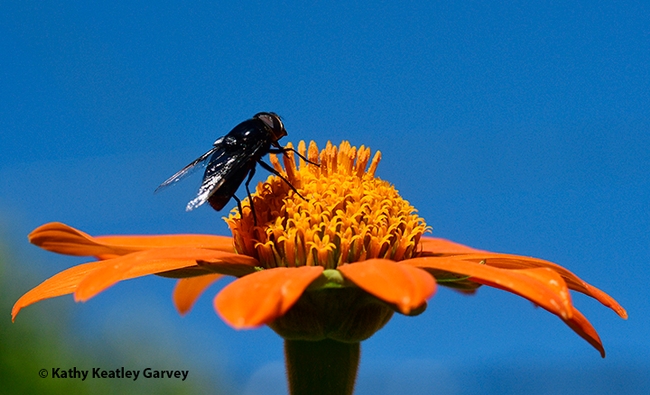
x=582, y=327
x=541, y=285
x=153, y=261
x=405, y=286
x=261, y=297
x=208, y=242
x=436, y=246
x=188, y=290
x=63, y=239
x=546, y=285
x=242, y=266
x=62, y=283
x=537, y=285
x=508, y=261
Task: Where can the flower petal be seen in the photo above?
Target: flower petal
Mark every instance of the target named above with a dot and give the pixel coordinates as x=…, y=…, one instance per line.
x=508, y=261
x=62, y=283
x=188, y=290
x=541, y=286
x=153, y=261
x=546, y=289
x=582, y=327
x=63, y=239
x=405, y=286
x=261, y=297
x=208, y=242
x=441, y=247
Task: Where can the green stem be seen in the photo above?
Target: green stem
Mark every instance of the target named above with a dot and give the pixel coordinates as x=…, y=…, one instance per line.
x=322, y=367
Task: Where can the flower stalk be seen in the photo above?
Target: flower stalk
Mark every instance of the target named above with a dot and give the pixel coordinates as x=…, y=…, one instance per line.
x=322, y=367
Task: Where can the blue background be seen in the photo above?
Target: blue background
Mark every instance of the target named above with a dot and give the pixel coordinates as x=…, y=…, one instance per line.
x=519, y=127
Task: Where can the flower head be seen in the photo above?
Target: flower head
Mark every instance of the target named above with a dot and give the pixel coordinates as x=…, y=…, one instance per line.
x=334, y=261
x=348, y=215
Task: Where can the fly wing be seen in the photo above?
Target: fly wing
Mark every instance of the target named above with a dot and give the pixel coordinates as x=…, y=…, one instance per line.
x=216, y=174
x=187, y=170
x=228, y=165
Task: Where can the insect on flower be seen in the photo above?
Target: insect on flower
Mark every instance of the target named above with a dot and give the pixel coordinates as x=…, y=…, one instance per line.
x=232, y=158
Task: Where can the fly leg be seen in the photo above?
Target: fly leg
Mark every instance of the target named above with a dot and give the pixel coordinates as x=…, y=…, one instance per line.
x=284, y=150
x=241, y=214
x=272, y=170
x=250, y=198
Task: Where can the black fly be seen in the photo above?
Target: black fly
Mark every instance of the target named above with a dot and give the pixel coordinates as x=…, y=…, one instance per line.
x=232, y=158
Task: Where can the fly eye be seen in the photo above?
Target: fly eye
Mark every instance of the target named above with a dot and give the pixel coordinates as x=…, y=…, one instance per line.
x=273, y=121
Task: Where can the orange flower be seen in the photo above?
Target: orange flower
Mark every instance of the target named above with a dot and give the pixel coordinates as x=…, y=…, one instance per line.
x=335, y=264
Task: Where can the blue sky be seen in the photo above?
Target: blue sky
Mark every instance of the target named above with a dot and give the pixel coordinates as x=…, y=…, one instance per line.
x=517, y=127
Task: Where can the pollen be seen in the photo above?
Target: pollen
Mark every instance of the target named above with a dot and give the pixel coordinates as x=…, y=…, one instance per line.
x=341, y=214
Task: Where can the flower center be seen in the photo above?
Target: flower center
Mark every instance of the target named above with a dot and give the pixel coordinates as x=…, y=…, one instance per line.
x=345, y=214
